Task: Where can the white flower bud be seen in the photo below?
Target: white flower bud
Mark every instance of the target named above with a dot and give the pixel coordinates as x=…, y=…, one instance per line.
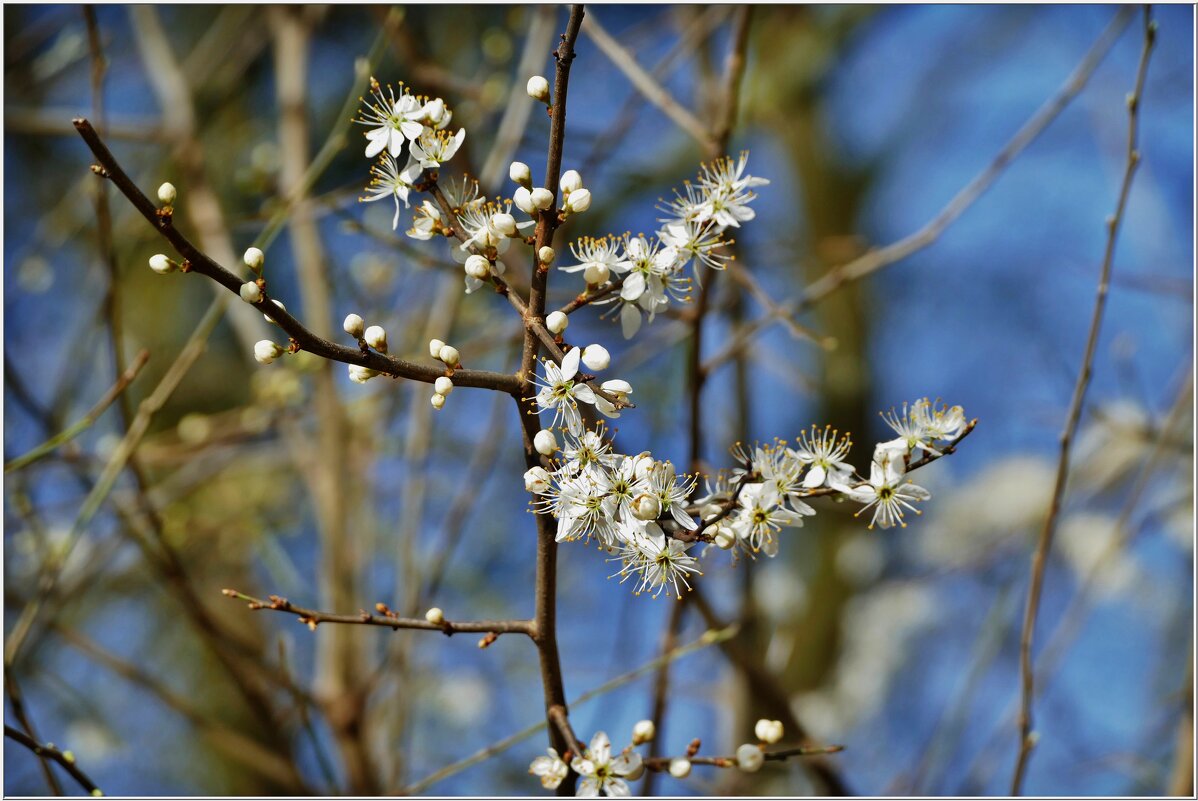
x=478, y=267
x=443, y=385
x=596, y=273
x=254, y=259
x=749, y=758
x=167, y=193
x=578, y=201
x=266, y=351
x=643, y=732
x=646, y=507
x=724, y=538
x=680, y=768
x=162, y=264
x=637, y=772
x=435, y=616
x=618, y=388
x=544, y=442
x=523, y=200
x=538, y=88
x=542, y=198
x=570, y=181
x=438, y=400
x=504, y=223
x=536, y=479
x=250, y=292
x=596, y=357
x=642, y=465
x=768, y=731
x=520, y=174
x=556, y=322
x=546, y=255
x=278, y=303
x=449, y=354
x=434, y=348
x=376, y=338
x=354, y=325
x=360, y=375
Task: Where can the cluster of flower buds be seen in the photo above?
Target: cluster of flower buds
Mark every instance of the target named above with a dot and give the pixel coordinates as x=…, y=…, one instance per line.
x=648, y=270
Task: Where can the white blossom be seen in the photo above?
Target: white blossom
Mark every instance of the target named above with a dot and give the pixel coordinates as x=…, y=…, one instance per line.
x=388, y=181
x=538, y=88
x=602, y=774
x=354, y=325
x=250, y=292
x=596, y=357
x=886, y=492
x=443, y=385
x=551, y=770
x=749, y=758
x=162, y=264
x=376, y=337
x=561, y=393
x=254, y=259
x=266, y=351
x=167, y=193
x=392, y=119
x=556, y=322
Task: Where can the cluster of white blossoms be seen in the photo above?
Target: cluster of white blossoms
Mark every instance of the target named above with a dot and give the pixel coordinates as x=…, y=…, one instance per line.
x=639, y=274
x=420, y=124
x=638, y=507
x=601, y=773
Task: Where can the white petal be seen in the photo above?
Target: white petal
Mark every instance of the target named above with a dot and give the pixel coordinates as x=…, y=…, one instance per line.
x=630, y=321
x=570, y=363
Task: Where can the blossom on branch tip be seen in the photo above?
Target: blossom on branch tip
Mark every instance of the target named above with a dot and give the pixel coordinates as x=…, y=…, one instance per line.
x=551, y=770
x=560, y=393
x=602, y=774
x=394, y=119
x=596, y=357
x=886, y=492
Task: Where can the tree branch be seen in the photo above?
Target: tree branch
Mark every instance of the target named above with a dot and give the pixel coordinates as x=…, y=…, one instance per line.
x=1027, y=740
x=64, y=758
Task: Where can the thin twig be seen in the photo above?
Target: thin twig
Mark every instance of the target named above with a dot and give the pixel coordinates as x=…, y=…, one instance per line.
x=64, y=758
x=1026, y=739
x=312, y=618
x=659, y=764
x=86, y=422
x=883, y=257
x=647, y=85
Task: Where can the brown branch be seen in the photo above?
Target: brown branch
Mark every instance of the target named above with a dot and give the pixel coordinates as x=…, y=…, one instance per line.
x=1044, y=546
x=64, y=758
x=17, y=700
x=659, y=764
x=304, y=339
x=312, y=618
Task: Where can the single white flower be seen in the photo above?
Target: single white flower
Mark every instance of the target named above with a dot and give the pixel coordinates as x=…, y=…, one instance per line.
x=886, y=493
x=824, y=453
x=551, y=770
x=619, y=390
x=387, y=181
x=435, y=113
x=561, y=393
x=430, y=151
x=598, y=258
x=167, y=193
x=601, y=773
x=426, y=222
x=392, y=120
x=659, y=562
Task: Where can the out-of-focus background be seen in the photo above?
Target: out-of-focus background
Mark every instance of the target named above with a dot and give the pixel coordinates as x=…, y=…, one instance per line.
x=288, y=479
